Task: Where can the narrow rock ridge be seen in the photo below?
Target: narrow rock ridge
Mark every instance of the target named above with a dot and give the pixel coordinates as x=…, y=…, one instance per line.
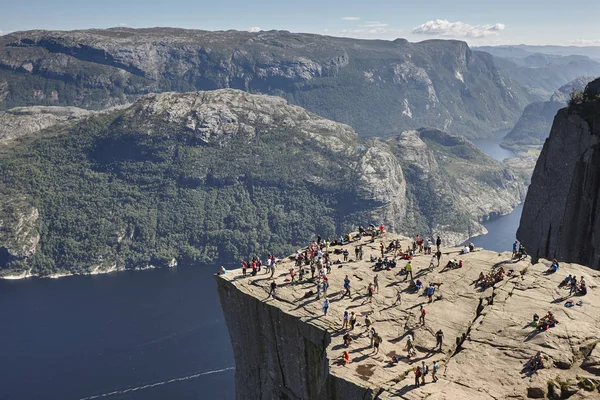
x=286, y=348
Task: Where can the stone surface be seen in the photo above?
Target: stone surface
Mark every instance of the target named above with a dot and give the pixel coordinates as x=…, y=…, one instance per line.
x=285, y=347
x=560, y=215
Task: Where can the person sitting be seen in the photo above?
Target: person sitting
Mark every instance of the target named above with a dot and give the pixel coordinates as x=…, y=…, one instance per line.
x=347, y=340
x=450, y=265
x=415, y=286
x=465, y=250
x=582, y=288
x=554, y=267
x=471, y=247
x=536, y=362
x=395, y=359
x=346, y=358
x=566, y=282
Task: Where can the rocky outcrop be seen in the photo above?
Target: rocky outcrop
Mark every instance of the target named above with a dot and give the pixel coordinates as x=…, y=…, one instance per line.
x=22, y=121
x=285, y=347
x=386, y=86
x=19, y=232
x=560, y=216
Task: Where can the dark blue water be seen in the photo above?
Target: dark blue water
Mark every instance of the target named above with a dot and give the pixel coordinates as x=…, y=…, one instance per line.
x=501, y=231
x=79, y=337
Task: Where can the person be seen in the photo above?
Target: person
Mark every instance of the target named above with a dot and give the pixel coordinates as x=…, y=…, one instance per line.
x=376, y=343
x=430, y=291
x=424, y=372
x=325, y=285
x=573, y=288
x=346, y=317
x=417, y=376
x=582, y=290
x=438, y=255
x=465, y=250
x=325, y=306
x=554, y=267
x=292, y=274
x=566, y=282
x=398, y=297
x=352, y=320
x=272, y=269
x=370, y=291
x=410, y=346
x=272, y=291
x=438, y=243
x=408, y=271
x=439, y=339
x=382, y=247
x=346, y=357
x=368, y=322
x=432, y=262
x=347, y=340
x=244, y=267
x=372, y=335
x=376, y=283
x=345, y=253
x=422, y=317
x=515, y=247
x=346, y=287
x=222, y=271
x=471, y=247
x=356, y=252
x=434, y=371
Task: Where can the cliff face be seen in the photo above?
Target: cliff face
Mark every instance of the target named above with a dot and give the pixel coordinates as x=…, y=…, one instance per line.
x=560, y=216
x=285, y=348
x=378, y=87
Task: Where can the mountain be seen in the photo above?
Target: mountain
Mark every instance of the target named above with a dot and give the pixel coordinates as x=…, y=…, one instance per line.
x=378, y=87
x=218, y=175
x=561, y=212
x=523, y=50
x=542, y=74
x=534, y=125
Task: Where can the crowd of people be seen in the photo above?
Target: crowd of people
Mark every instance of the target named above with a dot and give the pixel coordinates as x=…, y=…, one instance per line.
x=314, y=263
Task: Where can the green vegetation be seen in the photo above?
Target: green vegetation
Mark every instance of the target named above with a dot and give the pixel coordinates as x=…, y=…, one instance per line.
x=108, y=194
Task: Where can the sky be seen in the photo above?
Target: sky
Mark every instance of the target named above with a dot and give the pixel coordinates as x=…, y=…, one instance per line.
x=481, y=22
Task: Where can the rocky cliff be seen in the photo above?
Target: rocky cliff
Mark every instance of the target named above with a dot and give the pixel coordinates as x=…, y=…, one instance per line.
x=286, y=348
x=217, y=175
x=378, y=87
x=560, y=216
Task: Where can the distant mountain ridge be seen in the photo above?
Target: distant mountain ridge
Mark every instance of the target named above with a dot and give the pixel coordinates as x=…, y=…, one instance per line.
x=378, y=87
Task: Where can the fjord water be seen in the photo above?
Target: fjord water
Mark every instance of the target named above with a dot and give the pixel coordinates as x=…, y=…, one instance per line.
x=154, y=334
x=87, y=336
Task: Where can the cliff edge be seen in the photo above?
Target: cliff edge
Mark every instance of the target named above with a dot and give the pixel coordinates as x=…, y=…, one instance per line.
x=560, y=215
x=285, y=348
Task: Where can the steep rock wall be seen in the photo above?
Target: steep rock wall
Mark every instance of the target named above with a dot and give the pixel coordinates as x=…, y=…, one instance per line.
x=277, y=355
x=560, y=216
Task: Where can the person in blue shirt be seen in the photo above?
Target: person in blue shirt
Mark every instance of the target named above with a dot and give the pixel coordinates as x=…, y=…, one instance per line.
x=430, y=291
x=515, y=248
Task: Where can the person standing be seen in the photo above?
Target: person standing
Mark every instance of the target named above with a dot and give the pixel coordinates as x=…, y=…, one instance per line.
x=370, y=292
x=430, y=291
x=376, y=343
x=325, y=306
x=422, y=317
x=438, y=255
x=417, y=376
x=272, y=268
x=346, y=317
x=272, y=292
x=372, y=335
x=376, y=283
x=438, y=243
x=398, y=297
x=434, y=372
x=408, y=271
x=515, y=248
x=424, y=372
x=346, y=287
x=352, y=320
x=382, y=247
x=439, y=339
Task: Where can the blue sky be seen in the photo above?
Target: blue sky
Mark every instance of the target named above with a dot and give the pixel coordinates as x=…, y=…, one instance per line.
x=478, y=22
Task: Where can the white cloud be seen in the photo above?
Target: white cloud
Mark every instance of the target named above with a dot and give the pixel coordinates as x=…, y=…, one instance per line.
x=443, y=27
x=373, y=24
x=584, y=42
x=351, y=18
x=254, y=29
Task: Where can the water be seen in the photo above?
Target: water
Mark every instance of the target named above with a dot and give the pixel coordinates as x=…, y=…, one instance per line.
x=491, y=146
x=502, y=230
x=152, y=334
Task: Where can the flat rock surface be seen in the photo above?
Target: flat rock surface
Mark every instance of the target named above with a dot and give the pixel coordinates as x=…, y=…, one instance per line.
x=492, y=325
